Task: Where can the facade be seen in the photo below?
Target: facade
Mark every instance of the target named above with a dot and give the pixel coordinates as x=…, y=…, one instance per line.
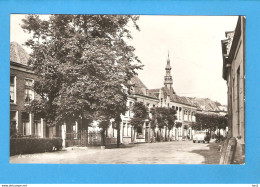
x=233, y=52
x=21, y=93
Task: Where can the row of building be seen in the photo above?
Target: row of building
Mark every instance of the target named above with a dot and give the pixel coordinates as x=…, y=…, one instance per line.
x=21, y=93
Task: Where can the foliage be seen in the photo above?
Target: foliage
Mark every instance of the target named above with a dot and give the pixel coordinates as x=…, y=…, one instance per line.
x=178, y=124
x=82, y=63
x=34, y=145
x=162, y=116
x=209, y=121
x=140, y=114
x=104, y=124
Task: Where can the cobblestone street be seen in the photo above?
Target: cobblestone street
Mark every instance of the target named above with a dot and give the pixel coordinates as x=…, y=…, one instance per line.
x=178, y=152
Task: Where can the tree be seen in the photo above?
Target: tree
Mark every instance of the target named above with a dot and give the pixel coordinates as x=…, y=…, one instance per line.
x=140, y=112
x=170, y=117
x=163, y=117
x=209, y=122
x=82, y=63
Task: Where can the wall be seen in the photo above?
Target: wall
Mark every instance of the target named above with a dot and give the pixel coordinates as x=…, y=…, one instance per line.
x=236, y=91
x=22, y=72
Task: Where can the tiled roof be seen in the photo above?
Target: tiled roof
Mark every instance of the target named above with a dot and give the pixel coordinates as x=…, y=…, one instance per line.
x=140, y=88
x=206, y=104
x=175, y=98
x=18, y=54
x=200, y=103
x=154, y=92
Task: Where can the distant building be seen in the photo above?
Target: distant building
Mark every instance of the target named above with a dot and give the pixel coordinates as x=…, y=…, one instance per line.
x=208, y=106
x=233, y=51
x=185, y=109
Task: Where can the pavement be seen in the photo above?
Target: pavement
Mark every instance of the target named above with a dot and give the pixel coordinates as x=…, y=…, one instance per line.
x=176, y=152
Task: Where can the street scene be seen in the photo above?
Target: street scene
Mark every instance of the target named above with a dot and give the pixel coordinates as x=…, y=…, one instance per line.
x=127, y=89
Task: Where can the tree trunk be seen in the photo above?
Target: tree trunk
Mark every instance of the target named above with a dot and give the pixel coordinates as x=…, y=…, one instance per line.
x=160, y=135
x=165, y=134
x=134, y=138
x=153, y=137
x=103, y=138
x=85, y=124
x=118, y=135
x=169, y=135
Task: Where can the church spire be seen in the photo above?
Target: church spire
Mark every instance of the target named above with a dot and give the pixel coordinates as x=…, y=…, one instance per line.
x=168, y=78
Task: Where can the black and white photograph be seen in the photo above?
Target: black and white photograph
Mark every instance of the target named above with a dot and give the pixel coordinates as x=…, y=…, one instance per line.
x=127, y=89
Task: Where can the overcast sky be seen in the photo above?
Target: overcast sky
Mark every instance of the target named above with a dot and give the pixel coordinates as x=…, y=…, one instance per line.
x=194, y=44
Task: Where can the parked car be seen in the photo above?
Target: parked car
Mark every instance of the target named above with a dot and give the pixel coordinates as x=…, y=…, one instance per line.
x=199, y=136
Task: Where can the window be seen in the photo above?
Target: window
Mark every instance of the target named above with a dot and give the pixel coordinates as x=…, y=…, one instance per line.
x=185, y=115
x=37, y=125
x=129, y=130
x=124, y=129
x=28, y=92
x=74, y=129
x=113, y=129
x=12, y=89
x=139, y=130
x=13, y=122
x=193, y=116
x=179, y=131
x=26, y=123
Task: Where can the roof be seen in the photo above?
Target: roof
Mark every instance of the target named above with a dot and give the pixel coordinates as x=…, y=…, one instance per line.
x=154, y=92
x=140, y=88
x=207, y=104
x=18, y=54
x=175, y=98
x=200, y=103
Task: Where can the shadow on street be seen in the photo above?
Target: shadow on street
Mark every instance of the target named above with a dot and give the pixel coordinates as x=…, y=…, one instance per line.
x=212, y=156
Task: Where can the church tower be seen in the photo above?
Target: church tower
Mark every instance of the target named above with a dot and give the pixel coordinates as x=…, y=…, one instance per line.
x=168, y=78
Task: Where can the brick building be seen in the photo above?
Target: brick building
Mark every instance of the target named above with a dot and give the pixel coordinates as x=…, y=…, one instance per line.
x=21, y=93
x=233, y=51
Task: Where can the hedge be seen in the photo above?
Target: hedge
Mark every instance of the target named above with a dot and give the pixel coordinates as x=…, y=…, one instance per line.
x=34, y=145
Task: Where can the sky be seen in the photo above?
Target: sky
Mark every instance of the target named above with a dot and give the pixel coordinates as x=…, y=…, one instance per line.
x=193, y=44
